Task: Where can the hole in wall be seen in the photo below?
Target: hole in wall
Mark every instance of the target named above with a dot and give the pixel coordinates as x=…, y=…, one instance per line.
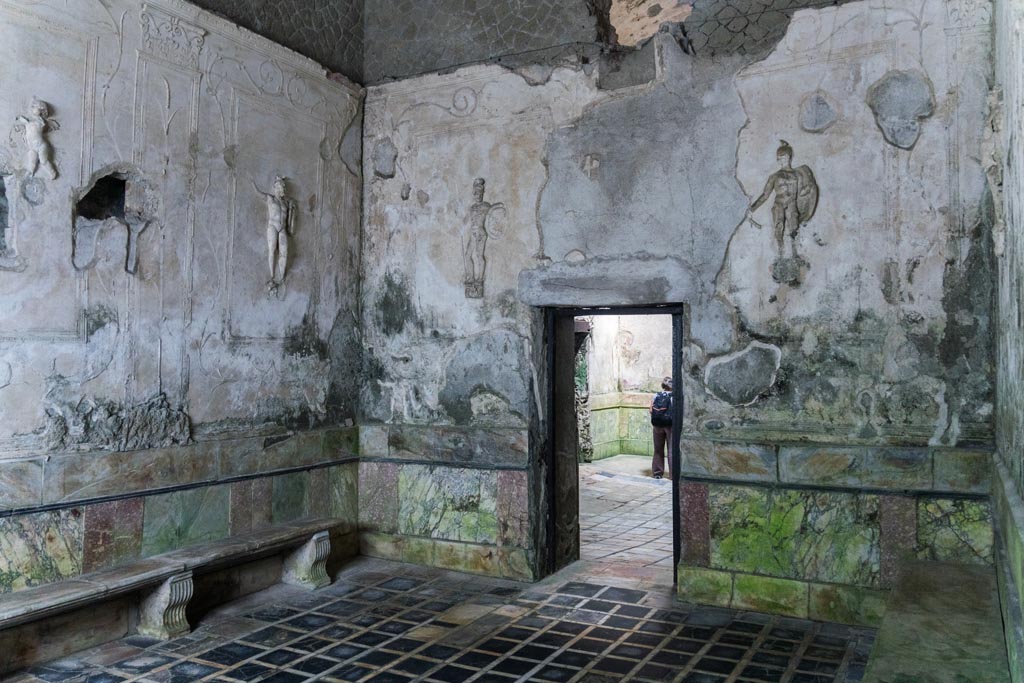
x=105, y=200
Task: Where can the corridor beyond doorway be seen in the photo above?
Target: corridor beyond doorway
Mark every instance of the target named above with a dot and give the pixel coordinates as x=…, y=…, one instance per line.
x=625, y=515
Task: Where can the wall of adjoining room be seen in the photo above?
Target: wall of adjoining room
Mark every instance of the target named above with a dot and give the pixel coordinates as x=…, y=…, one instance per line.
x=842, y=385
x=177, y=365
x=628, y=357
x=1002, y=156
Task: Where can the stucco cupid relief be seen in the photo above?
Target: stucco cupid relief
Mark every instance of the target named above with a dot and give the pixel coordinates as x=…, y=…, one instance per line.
x=281, y=211
x=485, y=220
x=796, y=198
x=36, y=124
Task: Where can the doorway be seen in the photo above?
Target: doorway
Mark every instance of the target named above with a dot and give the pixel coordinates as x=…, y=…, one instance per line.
x=566, y=529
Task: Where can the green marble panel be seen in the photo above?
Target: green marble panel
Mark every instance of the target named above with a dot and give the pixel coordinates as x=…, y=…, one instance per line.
x=289, y=497
x=704, y=586
x=638, y=424
x=448, y=503
x=809, y=535
x=954, y=530
x=604, y=426
x=606, y=450
x=766, y=594
x=847, y=604
x=173, y=520
x=40, y=548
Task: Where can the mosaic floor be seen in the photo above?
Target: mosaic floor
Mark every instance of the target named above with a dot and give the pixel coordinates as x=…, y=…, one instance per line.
x=389, y=622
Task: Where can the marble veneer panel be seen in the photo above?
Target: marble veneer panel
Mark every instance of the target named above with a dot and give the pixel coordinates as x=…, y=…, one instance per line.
x=378, y=497
x=453, y=445
x=343, y=495
x=174, y=520
x=289, y=496
x=448, y=503
x=113, y=533
x=513, y=508
x=808, y=535
x=21, y=483
x=954, y=530
x=738, y=462
x=40, y=548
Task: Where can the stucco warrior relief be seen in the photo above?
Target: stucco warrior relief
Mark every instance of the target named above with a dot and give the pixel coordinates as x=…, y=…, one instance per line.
x=796, y=198
x=485, y=220
x=281, y=210
x=35, y=125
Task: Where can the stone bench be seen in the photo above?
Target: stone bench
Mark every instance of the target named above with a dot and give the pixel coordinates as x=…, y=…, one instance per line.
x=942, y=625
x=165, y=581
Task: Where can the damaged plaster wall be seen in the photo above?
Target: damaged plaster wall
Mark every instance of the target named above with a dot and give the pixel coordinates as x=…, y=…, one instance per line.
x=196, y=322
x=167, y=319
x=871, y=328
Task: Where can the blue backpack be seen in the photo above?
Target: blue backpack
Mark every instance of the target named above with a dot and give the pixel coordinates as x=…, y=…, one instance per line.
x=661, y=409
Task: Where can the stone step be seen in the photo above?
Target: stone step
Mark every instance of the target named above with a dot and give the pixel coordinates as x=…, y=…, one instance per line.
x=942, y=625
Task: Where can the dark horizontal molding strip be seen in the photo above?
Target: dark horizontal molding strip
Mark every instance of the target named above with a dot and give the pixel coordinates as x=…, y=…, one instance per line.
x=446, y=463
x=51, y=507
x=870, y=490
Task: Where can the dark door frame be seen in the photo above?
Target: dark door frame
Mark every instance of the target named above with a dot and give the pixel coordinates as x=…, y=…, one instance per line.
x=679, y=313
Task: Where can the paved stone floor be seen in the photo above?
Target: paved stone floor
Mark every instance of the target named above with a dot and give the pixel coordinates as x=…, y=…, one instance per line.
x=604, y=619
x=625, y=515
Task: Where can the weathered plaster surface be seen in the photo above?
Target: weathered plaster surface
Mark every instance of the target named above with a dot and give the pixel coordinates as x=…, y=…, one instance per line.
x=191, y=114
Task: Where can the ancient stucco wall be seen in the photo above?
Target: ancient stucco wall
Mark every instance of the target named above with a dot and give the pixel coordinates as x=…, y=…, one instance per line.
x=405, y=38
x=1003, y=157
x=146, y=347
x=871, y=330
x=327, y=31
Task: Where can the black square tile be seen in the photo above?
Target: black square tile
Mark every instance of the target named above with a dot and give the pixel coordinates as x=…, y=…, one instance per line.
x=587, y=590
x=371, y=638
x=336, y=632
x=476, y=659
x=280, y=657
x=286, y=677
x=308, y=622
x=344, y=651
x=401, y=583
x=745, y=627
x=414, y=665
x=389, y=677
x=350, y=673
x=274, y=613
x=452, y=674
x=614, y=665
x=669, y=658
x=827, y=653
x=576, y=660
x=565, y=600
x=533, y=652
x=379, y=658
x=770, y=659
x=599, y=605
x=763, y=673
x=635, y=611
x=623, y=595
x=725, y=652
x=554, y=673
x=403, y=644
x=250, y=672
x=656, y=672
x=311, y=644
x=498, y=645
x=645, y=639
x=271, y=636
x=143, y=662
x=517, y=667
x=571, y=627
x=696, y=632
x=315, y=665
x=631, y=651
x=700, y=677
x=615, y=621
x=605, y=633
x=719, y=666
x=230, y=653
x=588, y=644
x=816, y=666
x=740, y=639
x=801, y=677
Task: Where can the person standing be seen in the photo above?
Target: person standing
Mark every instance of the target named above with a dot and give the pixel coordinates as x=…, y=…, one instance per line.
x=661, y=423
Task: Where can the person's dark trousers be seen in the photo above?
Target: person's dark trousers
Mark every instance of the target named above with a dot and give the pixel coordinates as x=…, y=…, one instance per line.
x=662, y=436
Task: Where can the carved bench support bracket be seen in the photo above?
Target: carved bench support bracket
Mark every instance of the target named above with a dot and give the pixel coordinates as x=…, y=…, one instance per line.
x=162, y=612
x=307, y=566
